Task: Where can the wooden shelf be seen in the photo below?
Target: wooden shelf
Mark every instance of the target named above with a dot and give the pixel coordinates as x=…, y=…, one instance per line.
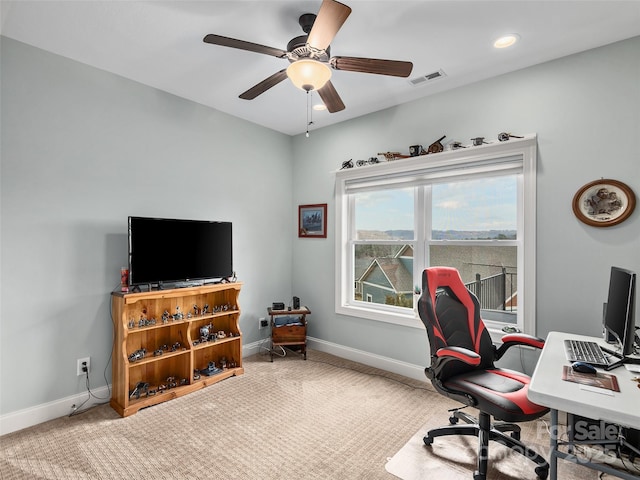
x=171, y=374
x=289, y=335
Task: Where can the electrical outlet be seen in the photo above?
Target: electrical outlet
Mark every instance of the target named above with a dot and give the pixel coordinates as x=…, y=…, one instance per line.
x=83, y=363
x=262, y=323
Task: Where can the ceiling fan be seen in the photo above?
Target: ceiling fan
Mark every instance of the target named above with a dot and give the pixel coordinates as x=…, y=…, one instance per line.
x=310, y=58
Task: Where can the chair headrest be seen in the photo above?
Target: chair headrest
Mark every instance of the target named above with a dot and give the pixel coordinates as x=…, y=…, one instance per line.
x=448, y=277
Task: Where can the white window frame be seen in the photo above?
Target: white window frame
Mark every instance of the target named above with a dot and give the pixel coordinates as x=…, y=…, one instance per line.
x=501, y=157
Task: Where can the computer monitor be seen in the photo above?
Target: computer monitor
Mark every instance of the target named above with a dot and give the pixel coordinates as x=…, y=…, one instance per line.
x=619, y=319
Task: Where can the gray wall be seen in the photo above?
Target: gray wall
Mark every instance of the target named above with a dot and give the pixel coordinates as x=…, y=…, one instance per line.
x=585, y=110
x=83, y=149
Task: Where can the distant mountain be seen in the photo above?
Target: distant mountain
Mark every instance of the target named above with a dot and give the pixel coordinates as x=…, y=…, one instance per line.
x=400, y=234
x=439, y=234
x=474, y=234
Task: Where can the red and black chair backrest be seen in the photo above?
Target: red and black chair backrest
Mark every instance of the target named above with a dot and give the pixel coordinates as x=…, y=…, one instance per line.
x=451, y=315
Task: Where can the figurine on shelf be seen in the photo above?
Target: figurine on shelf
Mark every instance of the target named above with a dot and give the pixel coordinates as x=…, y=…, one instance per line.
x=204, y=333
x=478, y=141
x=416, y=150
x=370, y=161
x=393, y=155
x=436, y=147
x=504, y=136
x=211, y=369
x=347, y=164
x=137, y=355
x=140, y=389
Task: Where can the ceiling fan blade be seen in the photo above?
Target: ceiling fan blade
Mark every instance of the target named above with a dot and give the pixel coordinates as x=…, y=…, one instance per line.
x=330, y=18
x=330, y=97
x=264, y=85
x=242, y=45
x=372, y=65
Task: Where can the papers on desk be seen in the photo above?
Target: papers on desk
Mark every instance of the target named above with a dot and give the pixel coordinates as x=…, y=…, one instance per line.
x=601, y=391
x=596, y=381
x=632, y=367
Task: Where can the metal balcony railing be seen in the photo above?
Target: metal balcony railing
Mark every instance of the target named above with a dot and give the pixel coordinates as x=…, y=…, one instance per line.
x=496, y=292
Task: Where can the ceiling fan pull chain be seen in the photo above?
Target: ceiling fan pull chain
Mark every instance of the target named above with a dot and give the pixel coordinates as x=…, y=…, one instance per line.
x=308, y=121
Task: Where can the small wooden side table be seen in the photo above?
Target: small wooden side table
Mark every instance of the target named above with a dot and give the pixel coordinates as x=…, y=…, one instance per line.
x=289, y=334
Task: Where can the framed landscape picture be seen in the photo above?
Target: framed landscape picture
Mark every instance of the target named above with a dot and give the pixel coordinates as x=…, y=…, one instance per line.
x=312, y=221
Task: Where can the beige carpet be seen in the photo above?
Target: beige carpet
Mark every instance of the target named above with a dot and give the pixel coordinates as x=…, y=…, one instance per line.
x=324, y=418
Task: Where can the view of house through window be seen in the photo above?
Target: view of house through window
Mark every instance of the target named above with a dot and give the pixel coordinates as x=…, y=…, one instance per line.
x=383, y=247
x=468, y=224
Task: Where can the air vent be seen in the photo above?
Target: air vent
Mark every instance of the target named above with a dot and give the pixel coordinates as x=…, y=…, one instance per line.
x=427, y=78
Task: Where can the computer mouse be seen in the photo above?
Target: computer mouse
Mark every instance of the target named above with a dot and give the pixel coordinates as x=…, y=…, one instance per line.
x=583, y=367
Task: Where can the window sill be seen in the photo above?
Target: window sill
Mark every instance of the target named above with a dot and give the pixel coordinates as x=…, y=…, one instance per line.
x=394, y=317
x=496, y=335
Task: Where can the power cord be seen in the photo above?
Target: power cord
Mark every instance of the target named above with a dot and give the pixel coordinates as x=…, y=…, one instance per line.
x=591, y=452
x=266, y=350
x=77, y=409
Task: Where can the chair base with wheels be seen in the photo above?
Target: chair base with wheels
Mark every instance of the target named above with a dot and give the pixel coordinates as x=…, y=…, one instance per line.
x=485, y=431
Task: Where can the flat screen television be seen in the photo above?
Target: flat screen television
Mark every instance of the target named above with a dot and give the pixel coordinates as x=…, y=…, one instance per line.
x=619, y=317
x=163, y=250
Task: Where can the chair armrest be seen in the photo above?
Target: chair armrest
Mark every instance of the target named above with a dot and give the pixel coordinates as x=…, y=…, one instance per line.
x=512, y=339
x=458, y=353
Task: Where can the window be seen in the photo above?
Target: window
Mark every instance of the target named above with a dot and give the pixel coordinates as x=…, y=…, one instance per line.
x=472, y=209
x=383, y=244
x=474, y=228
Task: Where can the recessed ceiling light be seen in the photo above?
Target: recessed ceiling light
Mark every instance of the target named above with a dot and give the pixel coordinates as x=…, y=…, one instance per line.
x=318, y=107
x=506, y=40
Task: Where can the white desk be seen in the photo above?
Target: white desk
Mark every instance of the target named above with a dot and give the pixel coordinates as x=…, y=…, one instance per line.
x=548, y=389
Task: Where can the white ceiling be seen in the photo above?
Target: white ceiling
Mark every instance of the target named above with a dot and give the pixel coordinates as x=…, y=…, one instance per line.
x=159, y=43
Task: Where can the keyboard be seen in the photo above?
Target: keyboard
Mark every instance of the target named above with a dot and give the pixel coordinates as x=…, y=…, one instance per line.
x=585, y=351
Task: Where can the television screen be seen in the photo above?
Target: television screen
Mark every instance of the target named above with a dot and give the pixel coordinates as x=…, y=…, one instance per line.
x=619, y=320
x=171, y=250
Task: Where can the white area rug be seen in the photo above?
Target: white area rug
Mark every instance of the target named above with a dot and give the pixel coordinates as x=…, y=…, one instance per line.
x=454, y=458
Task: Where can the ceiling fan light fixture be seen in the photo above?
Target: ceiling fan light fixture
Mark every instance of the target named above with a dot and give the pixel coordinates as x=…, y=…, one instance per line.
x=307, y=74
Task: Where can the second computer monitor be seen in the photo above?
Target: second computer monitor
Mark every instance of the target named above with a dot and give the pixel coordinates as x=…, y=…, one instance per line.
x=619, y=319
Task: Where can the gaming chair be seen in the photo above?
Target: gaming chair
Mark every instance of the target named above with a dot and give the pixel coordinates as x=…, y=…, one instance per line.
x=462, y=368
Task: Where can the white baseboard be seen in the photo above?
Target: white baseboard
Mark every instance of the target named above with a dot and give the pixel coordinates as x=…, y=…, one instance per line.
x=28, y=417
x=409, y=370
x=256, y=347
